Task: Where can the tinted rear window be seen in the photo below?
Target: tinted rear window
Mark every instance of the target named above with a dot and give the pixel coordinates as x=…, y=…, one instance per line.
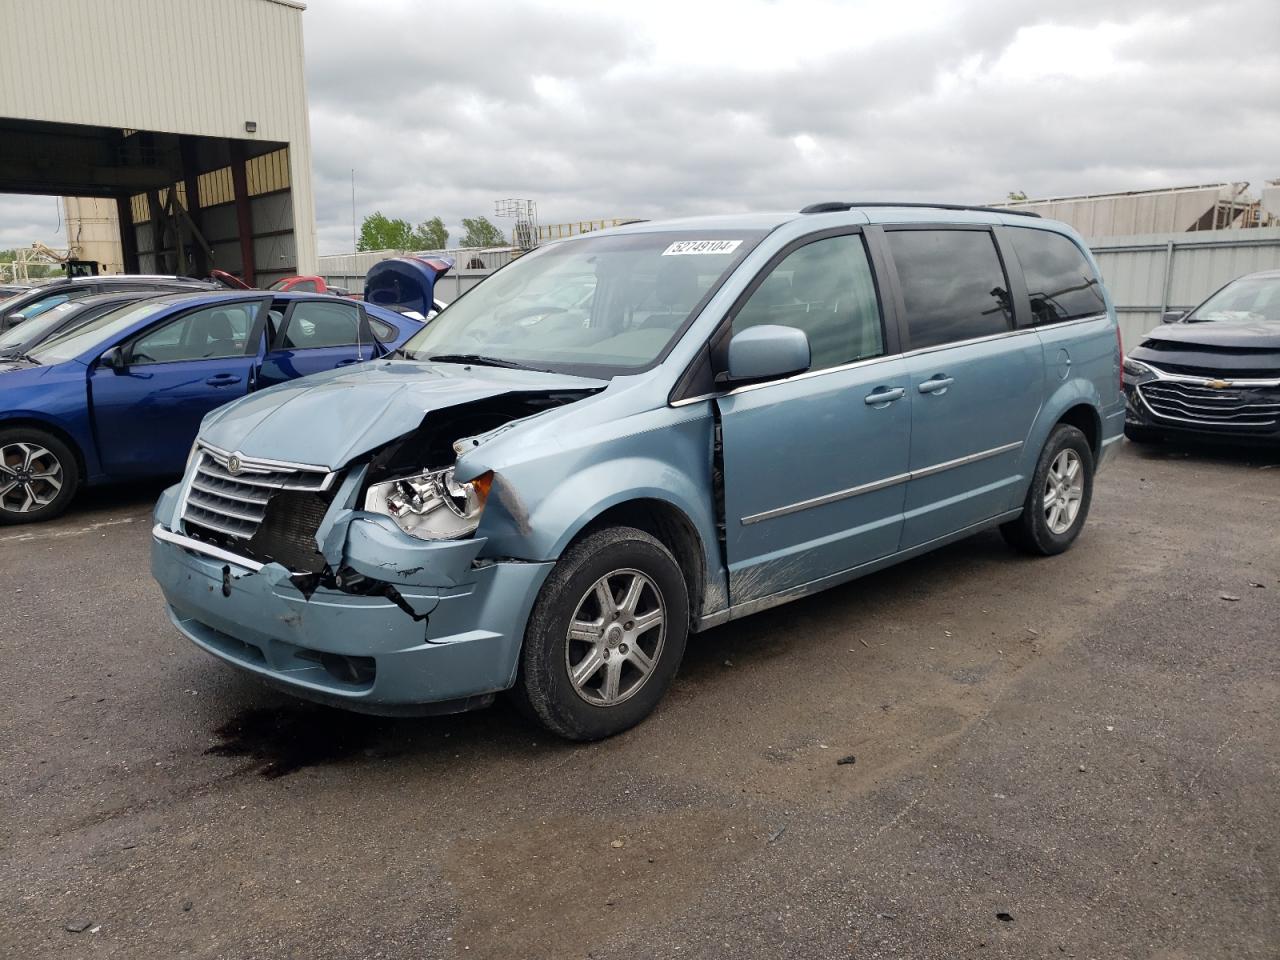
x=953, y=286
x=1060, y=282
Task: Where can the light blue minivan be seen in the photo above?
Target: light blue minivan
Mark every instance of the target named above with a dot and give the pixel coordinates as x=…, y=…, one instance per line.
x=547, y=493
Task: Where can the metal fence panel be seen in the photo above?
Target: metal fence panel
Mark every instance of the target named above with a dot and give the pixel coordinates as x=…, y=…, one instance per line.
x=1175, y=271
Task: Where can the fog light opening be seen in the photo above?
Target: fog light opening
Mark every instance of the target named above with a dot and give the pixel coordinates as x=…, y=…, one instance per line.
x=359, y=671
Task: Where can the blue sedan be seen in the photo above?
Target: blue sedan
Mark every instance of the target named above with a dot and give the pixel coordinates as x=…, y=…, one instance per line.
x=122, y=397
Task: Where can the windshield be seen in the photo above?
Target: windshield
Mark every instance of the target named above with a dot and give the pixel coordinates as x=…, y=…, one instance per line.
x=93, y=333
x=1253, y=298
x=15, y=339
x=37, y=307
x=600, y=306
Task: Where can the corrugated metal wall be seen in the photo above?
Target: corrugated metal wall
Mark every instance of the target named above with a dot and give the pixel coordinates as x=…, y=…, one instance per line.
x=201, y=67
x=1175, y=271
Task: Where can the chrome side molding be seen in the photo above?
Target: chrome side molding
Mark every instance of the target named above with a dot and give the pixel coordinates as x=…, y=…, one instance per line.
x=879, y=484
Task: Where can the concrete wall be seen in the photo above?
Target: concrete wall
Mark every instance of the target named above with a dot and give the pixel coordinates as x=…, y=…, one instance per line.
x=93, y=228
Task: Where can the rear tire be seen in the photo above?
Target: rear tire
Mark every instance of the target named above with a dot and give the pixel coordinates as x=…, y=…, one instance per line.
x=1058, y=499
x=605, y=637
x=39, y=475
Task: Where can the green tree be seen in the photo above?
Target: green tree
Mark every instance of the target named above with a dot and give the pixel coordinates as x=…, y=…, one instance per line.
x=1016, y=195
x=431, y=235
x=482, y=233
x=379, y=232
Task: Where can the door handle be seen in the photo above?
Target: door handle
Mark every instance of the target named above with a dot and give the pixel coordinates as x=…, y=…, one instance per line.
x=936, y=384
x=222, y=380
x=883, y=396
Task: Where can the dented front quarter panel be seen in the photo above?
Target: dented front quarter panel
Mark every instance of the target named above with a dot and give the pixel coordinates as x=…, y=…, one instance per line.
x=556, y=473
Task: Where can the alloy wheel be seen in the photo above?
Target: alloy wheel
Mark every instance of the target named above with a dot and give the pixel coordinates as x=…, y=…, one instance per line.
x=1063, y=491
x=615, y=637
x=30, y=477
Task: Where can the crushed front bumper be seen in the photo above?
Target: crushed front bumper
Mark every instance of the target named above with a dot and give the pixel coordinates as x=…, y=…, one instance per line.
x=448, y=640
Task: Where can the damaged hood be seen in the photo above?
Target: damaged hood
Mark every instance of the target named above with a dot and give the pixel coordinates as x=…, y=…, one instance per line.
x=330, y=418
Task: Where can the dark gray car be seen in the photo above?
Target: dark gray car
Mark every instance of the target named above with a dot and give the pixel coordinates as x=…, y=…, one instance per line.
x=36, y=301
x=62, y=319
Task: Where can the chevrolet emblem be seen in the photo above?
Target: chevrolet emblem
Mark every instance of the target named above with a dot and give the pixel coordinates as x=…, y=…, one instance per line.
x=1218, y=384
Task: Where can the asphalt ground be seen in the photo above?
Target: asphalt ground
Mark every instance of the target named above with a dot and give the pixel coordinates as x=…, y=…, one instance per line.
x=1072, y=757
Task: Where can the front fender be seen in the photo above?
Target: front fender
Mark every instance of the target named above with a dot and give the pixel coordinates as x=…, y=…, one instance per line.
x=539, y=505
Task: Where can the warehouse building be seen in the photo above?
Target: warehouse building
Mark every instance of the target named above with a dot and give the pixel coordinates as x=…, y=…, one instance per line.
x=183, y=122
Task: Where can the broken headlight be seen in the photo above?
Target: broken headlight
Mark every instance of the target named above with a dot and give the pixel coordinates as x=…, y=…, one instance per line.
x=432, y=506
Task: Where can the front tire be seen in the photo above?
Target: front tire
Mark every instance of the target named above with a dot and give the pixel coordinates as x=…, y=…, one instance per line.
x=606, y=635
x=1058, y=499
x=39, y=475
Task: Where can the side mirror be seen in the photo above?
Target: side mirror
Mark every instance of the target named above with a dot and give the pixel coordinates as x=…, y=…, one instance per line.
x=759, y=353
x=1172, y=316
x=113, y=358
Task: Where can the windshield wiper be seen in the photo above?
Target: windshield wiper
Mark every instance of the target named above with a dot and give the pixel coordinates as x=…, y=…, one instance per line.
x=21, y=356
x=481, y=360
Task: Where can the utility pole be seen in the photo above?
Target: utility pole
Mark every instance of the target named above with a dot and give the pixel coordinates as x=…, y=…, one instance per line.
x=354, y=245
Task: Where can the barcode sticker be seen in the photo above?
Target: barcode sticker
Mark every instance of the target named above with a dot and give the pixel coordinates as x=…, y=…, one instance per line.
x=684, y=248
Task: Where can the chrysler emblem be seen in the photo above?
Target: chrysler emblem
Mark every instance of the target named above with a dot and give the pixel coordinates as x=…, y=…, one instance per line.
x=233, y=465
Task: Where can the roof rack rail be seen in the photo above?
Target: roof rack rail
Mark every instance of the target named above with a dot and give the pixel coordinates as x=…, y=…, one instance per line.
x=833, y=206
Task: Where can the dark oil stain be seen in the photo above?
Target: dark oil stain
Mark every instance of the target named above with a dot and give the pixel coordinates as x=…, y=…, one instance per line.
x=283, y=740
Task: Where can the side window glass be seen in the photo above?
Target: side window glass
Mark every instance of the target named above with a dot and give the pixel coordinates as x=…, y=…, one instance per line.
x=953, y=286
x=208, y=334
x=1060, y=282
x=826, y=289
x=304, y=286
x=385, y=332
x=316, y=323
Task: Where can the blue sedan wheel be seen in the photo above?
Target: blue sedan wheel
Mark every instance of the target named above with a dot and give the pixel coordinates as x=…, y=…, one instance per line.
x=38, y=475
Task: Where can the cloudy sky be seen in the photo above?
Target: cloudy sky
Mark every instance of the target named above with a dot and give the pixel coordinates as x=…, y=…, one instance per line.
x=673, y=107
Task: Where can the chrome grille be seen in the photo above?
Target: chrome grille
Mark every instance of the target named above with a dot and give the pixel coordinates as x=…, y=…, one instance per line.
x=234, y=502
x=1231, y=406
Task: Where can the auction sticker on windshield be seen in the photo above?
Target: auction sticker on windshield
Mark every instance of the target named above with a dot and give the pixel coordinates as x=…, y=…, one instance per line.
x=688, y=247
